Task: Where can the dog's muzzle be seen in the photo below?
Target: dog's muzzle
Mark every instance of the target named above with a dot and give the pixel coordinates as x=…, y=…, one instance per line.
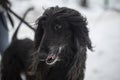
x=52, y=57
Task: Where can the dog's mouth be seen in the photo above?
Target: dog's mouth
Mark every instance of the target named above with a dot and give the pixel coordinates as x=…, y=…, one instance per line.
x=51, y=59
x=53, y=56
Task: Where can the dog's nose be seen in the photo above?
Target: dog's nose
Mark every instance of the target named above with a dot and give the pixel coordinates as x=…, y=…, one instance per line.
x=42, y=56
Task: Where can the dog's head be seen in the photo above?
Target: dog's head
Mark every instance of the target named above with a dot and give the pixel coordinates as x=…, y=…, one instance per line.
x=60, y=31
x=57, y=29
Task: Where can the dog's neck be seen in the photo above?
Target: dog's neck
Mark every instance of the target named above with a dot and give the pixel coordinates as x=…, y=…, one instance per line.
x=59, y=71
x=52, y=73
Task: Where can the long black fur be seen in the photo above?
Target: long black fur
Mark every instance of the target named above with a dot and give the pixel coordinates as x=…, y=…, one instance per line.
x=61, y=32
x=73, y=35
x=14, y=59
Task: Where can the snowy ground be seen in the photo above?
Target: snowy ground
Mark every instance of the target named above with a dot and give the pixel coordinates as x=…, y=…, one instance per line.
x=104, y=26
x=104, y=62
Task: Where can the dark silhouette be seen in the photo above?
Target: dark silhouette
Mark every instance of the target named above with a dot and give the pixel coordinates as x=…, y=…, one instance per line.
x=14, y=59
x=61, y=41
x=59, y=52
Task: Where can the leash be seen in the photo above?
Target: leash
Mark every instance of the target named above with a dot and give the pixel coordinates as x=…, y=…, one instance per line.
x=9, y=10
x=24, y=16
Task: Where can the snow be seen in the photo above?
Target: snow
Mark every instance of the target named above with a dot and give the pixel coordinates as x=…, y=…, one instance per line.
x=104, y=27
x=104, y=62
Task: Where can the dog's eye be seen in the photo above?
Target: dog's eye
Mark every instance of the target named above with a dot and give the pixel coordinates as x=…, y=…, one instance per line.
x=57, y=27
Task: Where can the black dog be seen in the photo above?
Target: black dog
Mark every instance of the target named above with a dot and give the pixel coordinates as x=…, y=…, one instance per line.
x=14, y=59
x=61, y=41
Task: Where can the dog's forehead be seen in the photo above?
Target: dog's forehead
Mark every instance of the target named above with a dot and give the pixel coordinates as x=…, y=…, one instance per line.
x=52, y=19
x=63, y=14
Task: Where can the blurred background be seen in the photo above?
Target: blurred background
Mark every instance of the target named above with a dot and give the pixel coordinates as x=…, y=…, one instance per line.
x=104, y=25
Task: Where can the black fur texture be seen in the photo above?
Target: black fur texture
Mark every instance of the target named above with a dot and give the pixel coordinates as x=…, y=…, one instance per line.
x=59, y=52
x=61, y=42
x=16, y=57
x=14, y=60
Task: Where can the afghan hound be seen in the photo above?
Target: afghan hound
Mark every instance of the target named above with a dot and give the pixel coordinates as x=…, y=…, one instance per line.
x=61, y=42
x=59, y=52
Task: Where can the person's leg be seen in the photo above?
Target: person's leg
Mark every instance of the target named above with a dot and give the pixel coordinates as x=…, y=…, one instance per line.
x=3, y=34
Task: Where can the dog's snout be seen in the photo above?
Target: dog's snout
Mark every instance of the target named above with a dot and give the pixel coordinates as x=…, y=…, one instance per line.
x=42, y=56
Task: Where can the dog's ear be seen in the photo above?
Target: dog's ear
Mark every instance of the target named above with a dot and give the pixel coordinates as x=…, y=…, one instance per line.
x=81, y=43
x=39, y=31
x=80, y=31
x=38, y=36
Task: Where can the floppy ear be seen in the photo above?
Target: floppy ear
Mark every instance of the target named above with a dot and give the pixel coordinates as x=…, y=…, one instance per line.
x=81, y=43
x=39, y=32
x=34, y=57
